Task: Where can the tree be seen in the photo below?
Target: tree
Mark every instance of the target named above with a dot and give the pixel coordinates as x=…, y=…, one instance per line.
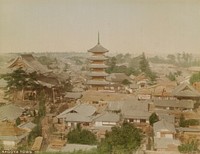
x=144, y=67
x=189, y=147
x=171, y=58
x=171, y=76
x=19, y=80
x=124, y=139
x=126, y=82
x=81, y=136
x=153, y=118
x=195, y=78
x=144, y=64
x=111, y=64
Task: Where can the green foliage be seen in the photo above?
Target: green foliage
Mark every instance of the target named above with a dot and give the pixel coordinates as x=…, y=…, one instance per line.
x=189, y=122
x=189, y=147
x=126, y=82
x=195, y=78
x=144, y=67
x=171, y=76
x=124, y=139
x=144, y=64
x=153, y=118
x=18, y=121
x=81, y=136
x=19, y=79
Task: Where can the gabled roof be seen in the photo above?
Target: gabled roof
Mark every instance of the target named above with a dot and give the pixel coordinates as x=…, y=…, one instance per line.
x=82, y=109
x=28, y=63
x=167, y=117
x=163, y=125
x=107, y=117
x=130, y=109
x=185, y=90
x=76, y=117
x=10, y=112
x=98, y=49
x=174, y=103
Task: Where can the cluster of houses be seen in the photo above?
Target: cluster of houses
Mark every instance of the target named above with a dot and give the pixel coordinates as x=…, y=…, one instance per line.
x=98, y=101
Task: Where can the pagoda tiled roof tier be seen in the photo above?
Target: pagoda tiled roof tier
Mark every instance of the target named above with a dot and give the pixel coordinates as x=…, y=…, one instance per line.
x=98, y=49
x=97, y=74
x=97, y=58
x=98, y=66
x=97, y=82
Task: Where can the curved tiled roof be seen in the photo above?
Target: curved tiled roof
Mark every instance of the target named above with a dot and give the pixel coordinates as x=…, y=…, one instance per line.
x=97, y=82
x=97, y=66
x=97, y=74
x=98, y=49
x=97, y=58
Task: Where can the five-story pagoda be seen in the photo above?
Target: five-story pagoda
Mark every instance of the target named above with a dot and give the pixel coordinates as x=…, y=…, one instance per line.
x=97, y=66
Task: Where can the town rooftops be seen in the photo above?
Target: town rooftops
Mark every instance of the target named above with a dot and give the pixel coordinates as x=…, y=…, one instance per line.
x=76, y=117
x=174, y=103
x=163, y=125
x=107, y=117
x=73, y=95
x=82, y=109
x=185, y=90
x=28, y=63
x=10, y=112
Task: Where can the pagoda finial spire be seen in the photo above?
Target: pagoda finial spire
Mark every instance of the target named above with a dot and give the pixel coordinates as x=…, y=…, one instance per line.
x=98, y=38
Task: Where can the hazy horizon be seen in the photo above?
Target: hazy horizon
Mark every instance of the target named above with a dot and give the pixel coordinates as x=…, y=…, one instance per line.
x=128, y=26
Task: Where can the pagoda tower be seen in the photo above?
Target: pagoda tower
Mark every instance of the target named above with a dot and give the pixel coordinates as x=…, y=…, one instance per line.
x=97, y=66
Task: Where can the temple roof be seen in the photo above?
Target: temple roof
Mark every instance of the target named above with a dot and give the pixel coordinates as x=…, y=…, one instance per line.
x=97, y=82
x=29, y=63
x=98, y=66
x=98, y=49
x=97, y=74
x=97, y=58
x=185, y=90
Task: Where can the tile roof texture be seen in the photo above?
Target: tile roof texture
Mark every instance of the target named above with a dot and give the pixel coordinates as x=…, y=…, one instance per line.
x=163, y=125
x=29, y=63
x=185, y=90
x=10, y=112
x=98, y=49
x=107, y=117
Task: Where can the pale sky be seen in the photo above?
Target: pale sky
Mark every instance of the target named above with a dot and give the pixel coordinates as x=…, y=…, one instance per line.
x=164, y=26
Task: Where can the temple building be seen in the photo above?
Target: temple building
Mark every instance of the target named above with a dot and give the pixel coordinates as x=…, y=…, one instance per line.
x=97, y=66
